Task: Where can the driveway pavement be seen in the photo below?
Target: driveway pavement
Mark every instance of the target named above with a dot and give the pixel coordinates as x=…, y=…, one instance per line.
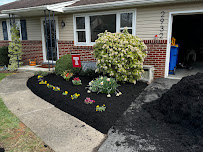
x=61, y=131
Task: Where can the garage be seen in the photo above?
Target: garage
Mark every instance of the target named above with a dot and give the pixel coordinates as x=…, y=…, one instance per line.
x=187, y=36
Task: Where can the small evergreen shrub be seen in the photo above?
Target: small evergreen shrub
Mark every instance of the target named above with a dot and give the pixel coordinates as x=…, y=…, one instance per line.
x=14, y=49
x=4, y=59
x=65, y=64
x=121, y=55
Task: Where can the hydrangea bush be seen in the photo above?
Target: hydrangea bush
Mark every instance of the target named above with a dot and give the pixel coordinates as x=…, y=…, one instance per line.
x=121, y=55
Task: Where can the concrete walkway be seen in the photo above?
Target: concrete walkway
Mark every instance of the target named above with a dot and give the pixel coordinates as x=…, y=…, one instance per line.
x=61, y=131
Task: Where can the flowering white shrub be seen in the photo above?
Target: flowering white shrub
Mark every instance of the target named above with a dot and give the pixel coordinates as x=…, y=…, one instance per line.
x=121, y=55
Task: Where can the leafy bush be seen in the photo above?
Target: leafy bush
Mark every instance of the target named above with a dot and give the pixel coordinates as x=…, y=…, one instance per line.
x=65, y=64
x=14, y=49
x=4, y=59
x=120, y=55
x=104, y=85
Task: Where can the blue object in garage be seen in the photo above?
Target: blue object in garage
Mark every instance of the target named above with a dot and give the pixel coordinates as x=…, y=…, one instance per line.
x=173, y=59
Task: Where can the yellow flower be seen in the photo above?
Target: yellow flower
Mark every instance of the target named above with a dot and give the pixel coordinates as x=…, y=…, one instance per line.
x=66, y=92
x=104, y=105
x=97, y=106
x=45, y=82
x=53, y=87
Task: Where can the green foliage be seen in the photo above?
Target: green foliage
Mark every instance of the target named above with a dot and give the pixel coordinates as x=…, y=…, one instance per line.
x=66, y=75
x=4, y=59
x=76, y=81
x=41, y=73
x=100, y=109
x=104, y=85
x=65, y=64
x=120, y=55
x=14, y=49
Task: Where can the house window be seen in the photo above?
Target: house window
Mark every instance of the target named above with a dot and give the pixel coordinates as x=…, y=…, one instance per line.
x=5, y=32
x=21, y=25
x=80, y=29
x=88, y=26
x=126, y=20
x=100, y=23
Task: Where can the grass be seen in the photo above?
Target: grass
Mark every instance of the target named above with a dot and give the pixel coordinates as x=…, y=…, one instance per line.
x=14, y=135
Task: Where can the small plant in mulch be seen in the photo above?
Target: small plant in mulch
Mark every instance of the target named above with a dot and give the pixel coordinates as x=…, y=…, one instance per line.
x=103, y=85
x=89, y=101
x=75, y=96
x=101, y=108
x=56, y=89
x=66, y=75
x=49, y=86
x=76, y=81
x=65, y=93
x=43, y=82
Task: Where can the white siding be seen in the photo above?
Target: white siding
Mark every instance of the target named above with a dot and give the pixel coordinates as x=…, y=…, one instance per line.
x=148, y=19
x=66, y=33
x=1, y=31
x=34, y=28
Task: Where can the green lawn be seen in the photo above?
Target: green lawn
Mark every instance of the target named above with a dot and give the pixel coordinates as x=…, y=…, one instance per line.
x=14, y=135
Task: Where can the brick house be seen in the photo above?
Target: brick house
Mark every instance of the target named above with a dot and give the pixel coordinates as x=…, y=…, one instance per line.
x=79, y=21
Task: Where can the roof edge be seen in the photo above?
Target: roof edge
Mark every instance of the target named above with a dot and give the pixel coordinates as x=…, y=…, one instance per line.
x=118, y=4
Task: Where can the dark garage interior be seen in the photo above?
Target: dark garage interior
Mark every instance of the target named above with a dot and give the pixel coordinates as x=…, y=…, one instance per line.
x=188, y=32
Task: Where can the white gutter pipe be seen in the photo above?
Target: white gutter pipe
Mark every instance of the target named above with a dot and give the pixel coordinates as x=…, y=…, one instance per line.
x=119, y=4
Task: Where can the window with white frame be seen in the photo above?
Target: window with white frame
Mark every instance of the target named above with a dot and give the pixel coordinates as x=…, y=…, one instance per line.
x=21, y=25
x=88, y=26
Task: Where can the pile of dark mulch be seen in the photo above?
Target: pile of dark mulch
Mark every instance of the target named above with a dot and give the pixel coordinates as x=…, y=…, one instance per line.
x=182, y=104
x=102, y=121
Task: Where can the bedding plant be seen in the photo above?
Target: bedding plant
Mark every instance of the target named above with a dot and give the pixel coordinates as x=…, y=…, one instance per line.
x=120, y=55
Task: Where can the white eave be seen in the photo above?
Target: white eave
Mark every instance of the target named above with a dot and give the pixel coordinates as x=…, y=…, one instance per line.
x=54, y=7
x=119, y=4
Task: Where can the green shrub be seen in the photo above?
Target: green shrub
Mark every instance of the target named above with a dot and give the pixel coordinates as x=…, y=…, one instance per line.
x=120, y=55
x=104, y=85
x=65, y=64
x=15, y=49
x=4, y=59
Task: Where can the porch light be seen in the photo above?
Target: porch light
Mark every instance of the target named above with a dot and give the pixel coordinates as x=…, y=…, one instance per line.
x=63, y=24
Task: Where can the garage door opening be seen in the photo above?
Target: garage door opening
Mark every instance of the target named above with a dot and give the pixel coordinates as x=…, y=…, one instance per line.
x=188, y=32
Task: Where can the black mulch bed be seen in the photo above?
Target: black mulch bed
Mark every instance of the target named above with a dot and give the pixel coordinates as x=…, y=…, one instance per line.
x=102, y=121
x=182, y=104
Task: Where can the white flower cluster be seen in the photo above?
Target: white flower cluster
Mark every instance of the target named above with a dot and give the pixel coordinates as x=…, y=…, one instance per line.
x=121, y=55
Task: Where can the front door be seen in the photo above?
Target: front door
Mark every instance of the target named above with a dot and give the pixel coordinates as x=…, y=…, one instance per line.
x=50, y=37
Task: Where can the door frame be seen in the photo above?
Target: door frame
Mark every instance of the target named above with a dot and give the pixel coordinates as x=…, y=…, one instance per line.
x=43, y=39
x=170, y=23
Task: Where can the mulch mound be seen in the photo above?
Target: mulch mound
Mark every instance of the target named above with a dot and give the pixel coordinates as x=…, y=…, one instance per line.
x=102, y=121
x=182, y=104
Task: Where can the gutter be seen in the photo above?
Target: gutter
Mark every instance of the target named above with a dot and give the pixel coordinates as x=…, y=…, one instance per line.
x=119, y=4
x=53, y=7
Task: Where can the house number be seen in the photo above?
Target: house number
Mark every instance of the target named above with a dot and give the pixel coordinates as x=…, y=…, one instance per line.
x=162, y=27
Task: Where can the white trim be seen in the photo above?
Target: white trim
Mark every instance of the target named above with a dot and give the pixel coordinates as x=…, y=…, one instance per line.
x=9, y=29
x=170, y=23
x=43, y=38
x=87, y=24
x=118, y=4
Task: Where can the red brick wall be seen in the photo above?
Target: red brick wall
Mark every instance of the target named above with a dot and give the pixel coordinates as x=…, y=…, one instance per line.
x=32, y=50
x=156, y=56
x=156, y=52
x=4, y=43
x=67, y=47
